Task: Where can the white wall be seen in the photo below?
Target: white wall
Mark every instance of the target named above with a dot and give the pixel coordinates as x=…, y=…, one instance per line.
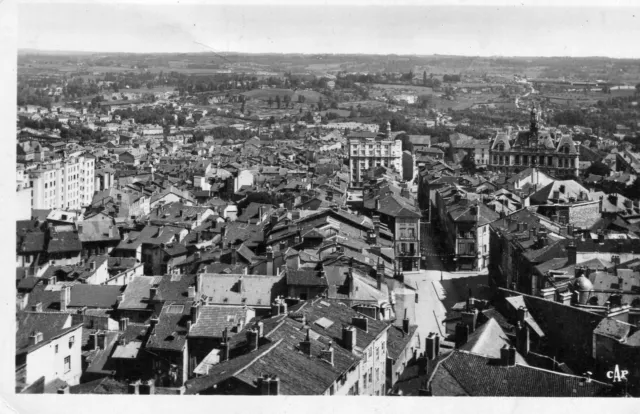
x=44, y=361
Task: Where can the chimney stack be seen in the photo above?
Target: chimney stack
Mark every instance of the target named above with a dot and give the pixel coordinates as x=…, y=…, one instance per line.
x=470, y=318
x=224, y=345
x=522, y=338
x=147, y=388
x=361, y=322
x=462, y=334
x=65, y=297
x=349, y=337
x=571, y=252
x=152, y=292
x=195, y=312
x=134, y=387
x=433, y=346
x=508, y=356
x=101, y=340
x=305, y=346
x=252, y=339
x=405, y=323
x=270, y=267
x=327, y=354
x=124, y=323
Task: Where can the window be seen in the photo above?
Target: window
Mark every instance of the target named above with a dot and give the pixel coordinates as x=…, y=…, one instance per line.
x=364, y=380
x=67, y=364
x=56, y=349
x=72, y=340
x=370, y=374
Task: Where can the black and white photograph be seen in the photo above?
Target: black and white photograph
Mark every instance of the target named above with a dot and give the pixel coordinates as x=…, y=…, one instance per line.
x=400, y=199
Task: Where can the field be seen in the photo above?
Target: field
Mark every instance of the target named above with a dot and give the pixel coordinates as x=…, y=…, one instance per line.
x=419, y=90
x=264, y=94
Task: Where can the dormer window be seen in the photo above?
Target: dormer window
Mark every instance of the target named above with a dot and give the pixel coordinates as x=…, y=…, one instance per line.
x=501, y=147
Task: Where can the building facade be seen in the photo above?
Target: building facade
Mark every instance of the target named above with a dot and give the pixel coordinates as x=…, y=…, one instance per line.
x=65, y=184
x=367, y=150
x=552, y=153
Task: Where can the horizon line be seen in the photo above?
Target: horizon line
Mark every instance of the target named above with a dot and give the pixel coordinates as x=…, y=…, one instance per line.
x=31, y=50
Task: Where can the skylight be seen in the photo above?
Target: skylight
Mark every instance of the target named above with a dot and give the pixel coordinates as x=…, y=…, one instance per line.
x=324, y=323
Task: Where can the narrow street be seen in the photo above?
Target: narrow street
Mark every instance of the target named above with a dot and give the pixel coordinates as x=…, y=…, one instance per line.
x=438, y=289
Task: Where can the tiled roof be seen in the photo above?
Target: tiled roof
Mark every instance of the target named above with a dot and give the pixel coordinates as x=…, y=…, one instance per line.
x=253, y=290
x=305, y=278
x=136, y=294
x=487, y=340
x=481, y=376
x=98, y=230
x=50, y=324
x=212, y=320
x=170, y=333
x=66, y=241
x=397, y=340
x=104, y=385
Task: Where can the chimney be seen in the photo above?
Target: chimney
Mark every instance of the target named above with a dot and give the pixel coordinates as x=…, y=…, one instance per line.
x=94, y=340
x=134, y=387
x=380, y=274
x=571, y=252
x=305, y=346
x=327, y=354
x=252, y=339
x=152, y=292
x=565, y=298
x=405, y=323
x=508, y=356
x=433, y=346
x=470, y=318
x=195, y=312
x=260, y=328
x=37, y=307
x=147, y=387
x=269, y=261
x=101, y=340
x=63, y=390
x=269, y=385
x=283, y=246
x=65, y=297
x=522, y=337
x=123, y=324
x=361, y=322
x=349, y=337
x=224, y=345
x=377, y=206
x=234, y=256
x=462, y=334
x=191, y=292
x=275, y=307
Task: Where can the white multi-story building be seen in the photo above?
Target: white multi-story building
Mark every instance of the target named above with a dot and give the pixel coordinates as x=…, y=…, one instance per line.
x=64, y=184
x=367, y=150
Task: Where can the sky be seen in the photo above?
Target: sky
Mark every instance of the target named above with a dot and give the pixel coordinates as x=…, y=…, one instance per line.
x=506, y=30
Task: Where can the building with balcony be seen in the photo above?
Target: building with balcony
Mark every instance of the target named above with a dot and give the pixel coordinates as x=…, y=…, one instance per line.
x=368, y=150
x=465, y=227
x=551, y=152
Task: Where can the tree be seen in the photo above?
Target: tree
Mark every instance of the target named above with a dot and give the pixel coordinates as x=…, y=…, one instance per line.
x=424, y=78
x=638, y=89
x=469, y=164
x=270, y=101
x=242, y=108
x=599, y=168
x=278, y=101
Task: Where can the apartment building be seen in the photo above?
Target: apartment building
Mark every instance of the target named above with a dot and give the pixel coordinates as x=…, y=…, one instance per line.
x=65, y=184
x=368, y=150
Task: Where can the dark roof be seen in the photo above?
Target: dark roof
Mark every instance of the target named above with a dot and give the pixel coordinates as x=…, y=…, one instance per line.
x=305, y=277
x=174, y=288
x=66, y=241
x=170, y=333
x=466, y=373
x=397, y=340
x=94, y=296
x=106, y=385
x=50, y=324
